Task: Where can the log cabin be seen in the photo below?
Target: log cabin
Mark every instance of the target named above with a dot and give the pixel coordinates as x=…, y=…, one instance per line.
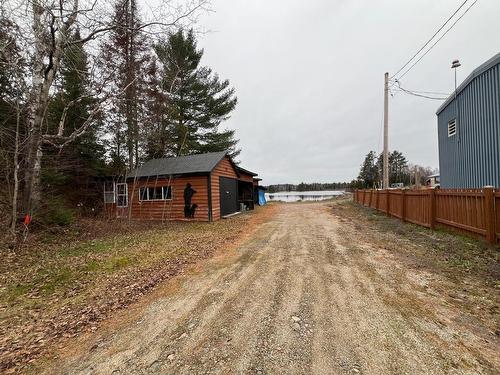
x=203, y=187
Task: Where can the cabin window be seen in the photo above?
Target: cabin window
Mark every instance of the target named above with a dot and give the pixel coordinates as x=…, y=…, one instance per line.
x=156, y=193
x=122, y=195
x=452, y=128
x=109, y=192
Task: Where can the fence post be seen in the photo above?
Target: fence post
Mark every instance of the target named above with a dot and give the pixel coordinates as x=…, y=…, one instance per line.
x=370, y=201
x=433, y=208
x=403, y=208
x=489, y=209
x=387, y=193
x=377, y=199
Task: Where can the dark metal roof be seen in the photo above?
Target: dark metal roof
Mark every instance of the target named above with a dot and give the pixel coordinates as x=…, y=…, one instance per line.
x=189, y=164
x=246, y=171
x=475, y=73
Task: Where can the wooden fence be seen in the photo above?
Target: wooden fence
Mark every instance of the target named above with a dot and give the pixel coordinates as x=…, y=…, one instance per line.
x=474, y=211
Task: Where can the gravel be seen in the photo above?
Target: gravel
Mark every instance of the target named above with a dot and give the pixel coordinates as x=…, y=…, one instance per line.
x=306, y=294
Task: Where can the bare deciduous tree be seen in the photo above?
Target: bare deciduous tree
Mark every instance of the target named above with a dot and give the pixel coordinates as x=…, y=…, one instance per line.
x=45, y=28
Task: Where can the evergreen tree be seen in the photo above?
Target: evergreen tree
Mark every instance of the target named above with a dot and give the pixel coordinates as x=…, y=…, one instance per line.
x=124, y=56
x=398, y=167
x=198, y=101
x=369, y=173
x=74, y=166
x=155, y=135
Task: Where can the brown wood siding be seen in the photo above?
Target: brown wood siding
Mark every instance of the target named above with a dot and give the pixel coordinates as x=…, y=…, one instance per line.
x=224, y=169
x=110, y=210
x=169, y=209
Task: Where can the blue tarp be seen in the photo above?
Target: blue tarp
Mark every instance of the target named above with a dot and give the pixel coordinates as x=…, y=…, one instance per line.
x=262, y=197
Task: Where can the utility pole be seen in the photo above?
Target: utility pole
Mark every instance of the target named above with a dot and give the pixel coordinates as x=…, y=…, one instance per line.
x=385, y=181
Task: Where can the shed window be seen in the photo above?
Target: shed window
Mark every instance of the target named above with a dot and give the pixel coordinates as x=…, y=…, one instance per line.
x=109, y=192
x=157, y=193
x=122, y=195
x=452, y=128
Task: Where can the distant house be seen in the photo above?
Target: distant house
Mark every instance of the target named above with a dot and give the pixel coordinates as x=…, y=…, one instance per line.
x=432, y=180
x=201, y=187
x=469, y=131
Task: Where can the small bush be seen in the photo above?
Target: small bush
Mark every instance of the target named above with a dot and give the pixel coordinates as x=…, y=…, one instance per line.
x=55, y=213
x=51, y=177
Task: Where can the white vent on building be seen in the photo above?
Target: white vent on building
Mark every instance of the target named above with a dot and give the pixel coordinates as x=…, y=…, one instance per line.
x=452, y=128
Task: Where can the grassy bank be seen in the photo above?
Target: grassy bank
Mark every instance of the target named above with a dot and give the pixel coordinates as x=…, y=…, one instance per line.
x=469, y=267
x=64, y=283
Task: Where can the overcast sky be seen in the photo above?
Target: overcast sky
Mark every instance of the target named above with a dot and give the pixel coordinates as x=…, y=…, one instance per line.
x=309, y=78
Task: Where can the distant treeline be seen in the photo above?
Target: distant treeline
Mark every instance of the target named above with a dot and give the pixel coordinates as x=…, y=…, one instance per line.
x=315, y=186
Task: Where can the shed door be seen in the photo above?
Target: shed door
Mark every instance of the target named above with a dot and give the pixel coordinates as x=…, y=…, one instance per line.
x=228, y=195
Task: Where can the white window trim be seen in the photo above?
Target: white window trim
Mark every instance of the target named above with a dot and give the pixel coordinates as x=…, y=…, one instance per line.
x=109, y=192
x=452, y=123
x=155, y=200
x=124, y=195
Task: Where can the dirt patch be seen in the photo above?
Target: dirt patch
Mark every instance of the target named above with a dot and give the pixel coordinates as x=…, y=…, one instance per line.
x=57, y=288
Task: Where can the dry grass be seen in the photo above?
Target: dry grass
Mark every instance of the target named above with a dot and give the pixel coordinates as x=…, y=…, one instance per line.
x=469, y=268
x=65, y=282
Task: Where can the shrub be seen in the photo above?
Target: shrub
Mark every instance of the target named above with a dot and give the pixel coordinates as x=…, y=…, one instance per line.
x=55, y=212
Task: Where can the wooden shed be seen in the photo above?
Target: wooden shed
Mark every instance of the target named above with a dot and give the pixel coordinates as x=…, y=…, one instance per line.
x=201, y=187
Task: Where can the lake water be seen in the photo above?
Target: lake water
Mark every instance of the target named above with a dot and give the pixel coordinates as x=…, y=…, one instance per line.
x=297, y=196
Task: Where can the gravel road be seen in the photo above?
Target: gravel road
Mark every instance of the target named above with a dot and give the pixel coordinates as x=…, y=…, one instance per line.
x=307, y=293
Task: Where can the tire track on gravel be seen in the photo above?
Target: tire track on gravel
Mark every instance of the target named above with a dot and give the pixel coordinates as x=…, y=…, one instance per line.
x=306, y=294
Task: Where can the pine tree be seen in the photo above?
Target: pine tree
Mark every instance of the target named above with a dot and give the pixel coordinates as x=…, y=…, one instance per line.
x=198, y=101
x=125, y=54
x=77, y=165
x=369, y=174
x=155, y=136
x=398, y=167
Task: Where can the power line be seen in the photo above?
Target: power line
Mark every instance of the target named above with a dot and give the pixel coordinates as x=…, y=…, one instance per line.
x=426, y=43
x=422, y=96
x=416, y=93
x=430, y=92
x=437, y=41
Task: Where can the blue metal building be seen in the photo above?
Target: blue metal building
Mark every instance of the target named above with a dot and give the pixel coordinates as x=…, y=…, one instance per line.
x=469, y=130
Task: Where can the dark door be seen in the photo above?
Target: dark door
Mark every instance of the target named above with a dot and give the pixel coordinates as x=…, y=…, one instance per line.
x=228, y=195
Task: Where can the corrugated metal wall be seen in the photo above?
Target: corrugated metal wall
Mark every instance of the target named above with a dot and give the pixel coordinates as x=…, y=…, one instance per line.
x=471, y=158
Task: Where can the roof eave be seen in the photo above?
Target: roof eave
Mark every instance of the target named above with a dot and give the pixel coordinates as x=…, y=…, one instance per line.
x=246, y=171
x=476, y=72
x=162, y=176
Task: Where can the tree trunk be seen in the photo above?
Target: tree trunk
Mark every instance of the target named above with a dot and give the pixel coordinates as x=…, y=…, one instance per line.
x=31, y=195
x=43, y=76
x=16, y=171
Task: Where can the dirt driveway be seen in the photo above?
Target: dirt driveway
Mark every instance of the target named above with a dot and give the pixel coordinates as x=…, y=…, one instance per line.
x=308, y=293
